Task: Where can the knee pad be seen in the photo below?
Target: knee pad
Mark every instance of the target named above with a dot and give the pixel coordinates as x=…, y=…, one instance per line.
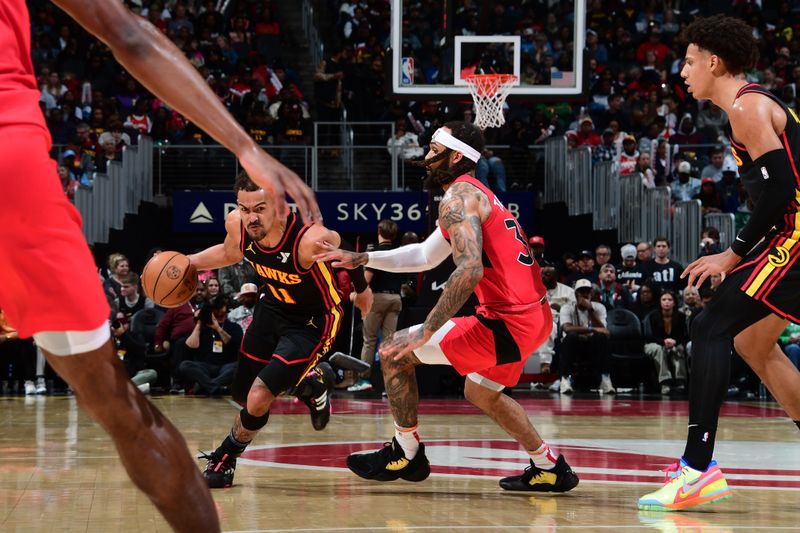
x=253, y=423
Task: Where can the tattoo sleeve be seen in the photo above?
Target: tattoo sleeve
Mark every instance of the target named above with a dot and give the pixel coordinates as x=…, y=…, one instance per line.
x=459, y=215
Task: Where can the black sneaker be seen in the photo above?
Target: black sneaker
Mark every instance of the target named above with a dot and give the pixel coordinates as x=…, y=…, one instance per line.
x=219, y=470
x=560, y=478
x=317, y=387
x=390, y=463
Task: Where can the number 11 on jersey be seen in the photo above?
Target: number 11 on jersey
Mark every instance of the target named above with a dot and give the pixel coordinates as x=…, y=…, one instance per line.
x=281, y=294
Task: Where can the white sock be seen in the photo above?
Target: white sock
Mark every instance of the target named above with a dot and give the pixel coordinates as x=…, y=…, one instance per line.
x=543, y=457
x=408, y=438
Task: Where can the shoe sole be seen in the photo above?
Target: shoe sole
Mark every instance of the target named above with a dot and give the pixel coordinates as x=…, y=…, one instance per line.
x=683, y=506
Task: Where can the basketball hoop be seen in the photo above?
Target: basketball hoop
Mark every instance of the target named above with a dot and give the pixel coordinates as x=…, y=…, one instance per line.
x=489, y=92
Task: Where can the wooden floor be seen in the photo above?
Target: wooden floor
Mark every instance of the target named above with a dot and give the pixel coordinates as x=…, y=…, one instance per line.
x=60, y=473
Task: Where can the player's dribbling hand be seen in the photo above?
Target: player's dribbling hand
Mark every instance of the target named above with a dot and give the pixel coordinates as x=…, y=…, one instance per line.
x=402, y=343
x=273, y=176
x=709, y=265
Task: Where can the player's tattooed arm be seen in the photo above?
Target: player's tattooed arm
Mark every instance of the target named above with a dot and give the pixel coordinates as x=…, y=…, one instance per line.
x=460, y=213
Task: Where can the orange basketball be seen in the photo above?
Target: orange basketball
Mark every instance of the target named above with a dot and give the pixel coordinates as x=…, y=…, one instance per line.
x=169, y=279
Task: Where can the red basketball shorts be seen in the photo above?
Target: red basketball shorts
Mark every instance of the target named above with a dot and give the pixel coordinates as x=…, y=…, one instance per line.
x=48, y=279
x=496, y=346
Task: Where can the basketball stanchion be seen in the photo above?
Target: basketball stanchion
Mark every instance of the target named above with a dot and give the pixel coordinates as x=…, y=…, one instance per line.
x=489, y=92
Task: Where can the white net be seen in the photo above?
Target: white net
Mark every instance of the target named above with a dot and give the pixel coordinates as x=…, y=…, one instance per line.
x=489, y=92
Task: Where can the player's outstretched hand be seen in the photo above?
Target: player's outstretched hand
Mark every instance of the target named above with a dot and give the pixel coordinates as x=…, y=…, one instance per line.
x=709, y=265
x=341, y=258
x=401, y=344
x=273, y=176
x=363, y=300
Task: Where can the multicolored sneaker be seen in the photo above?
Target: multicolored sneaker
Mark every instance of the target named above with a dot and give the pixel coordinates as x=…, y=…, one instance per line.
x=686, y=487
x=219, y=469
x=390, y=463
x=560, y=478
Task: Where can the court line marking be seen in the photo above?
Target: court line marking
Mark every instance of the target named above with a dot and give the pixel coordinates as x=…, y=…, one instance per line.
x=526, y=527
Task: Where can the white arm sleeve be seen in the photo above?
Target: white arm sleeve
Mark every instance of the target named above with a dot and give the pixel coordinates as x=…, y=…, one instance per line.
x=412, y=257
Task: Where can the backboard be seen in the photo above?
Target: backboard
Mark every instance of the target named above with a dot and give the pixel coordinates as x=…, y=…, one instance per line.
x=436, y=43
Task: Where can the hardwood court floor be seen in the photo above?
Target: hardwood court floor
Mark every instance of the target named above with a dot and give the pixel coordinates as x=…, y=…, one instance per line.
x=59, y=472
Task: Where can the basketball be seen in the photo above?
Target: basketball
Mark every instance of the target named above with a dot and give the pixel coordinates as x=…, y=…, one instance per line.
x=169, y=279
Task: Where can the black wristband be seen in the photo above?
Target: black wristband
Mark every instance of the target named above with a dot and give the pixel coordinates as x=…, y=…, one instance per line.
x=774, y=170
x=359, y=281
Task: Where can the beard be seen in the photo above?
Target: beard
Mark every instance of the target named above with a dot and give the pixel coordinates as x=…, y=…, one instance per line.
x=439, y=176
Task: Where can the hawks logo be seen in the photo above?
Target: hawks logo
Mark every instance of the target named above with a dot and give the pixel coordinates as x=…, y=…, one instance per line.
x=779, y=258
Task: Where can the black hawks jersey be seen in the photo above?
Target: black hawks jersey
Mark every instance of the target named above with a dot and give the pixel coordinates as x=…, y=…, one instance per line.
x=289, y=289
x=772, y=263
x=752, y=179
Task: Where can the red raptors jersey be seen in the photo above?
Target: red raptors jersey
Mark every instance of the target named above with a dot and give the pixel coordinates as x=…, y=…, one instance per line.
x=511, y=278
x=19, y=95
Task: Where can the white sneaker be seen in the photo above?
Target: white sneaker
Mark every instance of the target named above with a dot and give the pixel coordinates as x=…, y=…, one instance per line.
x=144, y=387
x=605, y=385
x=41, y=387
x=555, y=386
x=359, y=386
x=566, y=385
x=30, y=388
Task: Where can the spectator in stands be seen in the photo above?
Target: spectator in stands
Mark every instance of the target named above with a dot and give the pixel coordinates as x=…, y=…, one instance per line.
x=119, y=267
x=688, y=137
x=232, y=277
x=644, y=252
x=107, y=154
x=629, y=156
x=729, y=187
x=68, y=182
x=328, y=81
x=138, y=120
x=602, y=255
x=406, y=144
x=130, y=301
x=585, y=337
x=490, y=163
x=665, y=272
x=213, y=286
x=692, y=305
x=213, y=346
x=666, y=336
x=606, y=150
x=586, y=135
x=644, y=168
x=709, y=197
x=570, y=263
x=662, y=163
x=172, y=330
x=242, y=314
x=629, y=273
x=686, y=187
x=585, y=269
x=653, y=44
x=714, y=168
x=612, y=293
x=558, y=294
x=710, y=241
x=647, y=299
x=537, y=248
x=133, y=350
